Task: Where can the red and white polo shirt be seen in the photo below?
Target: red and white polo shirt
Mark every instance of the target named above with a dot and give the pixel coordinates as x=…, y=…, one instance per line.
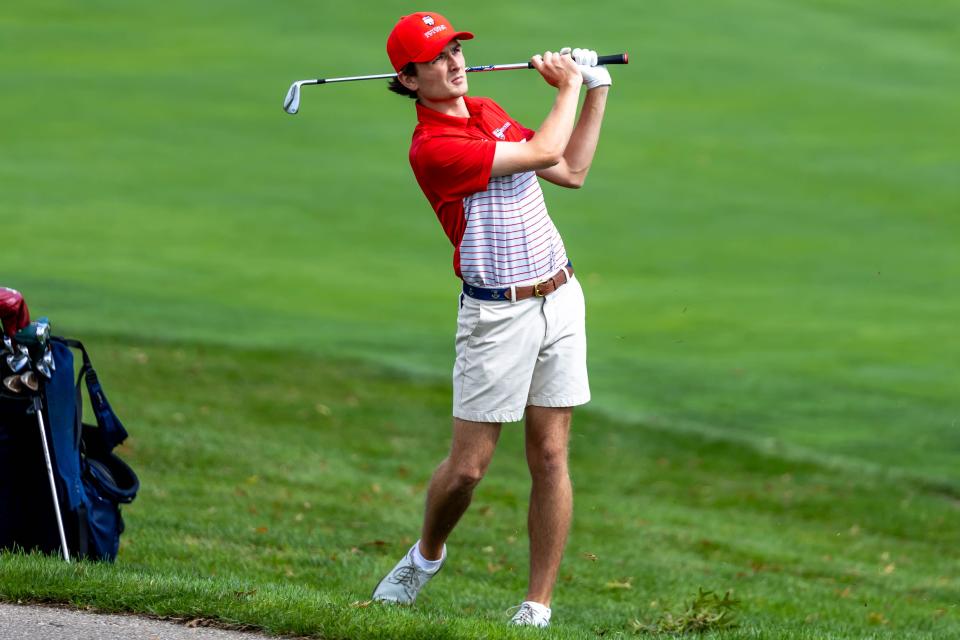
x=499, y=227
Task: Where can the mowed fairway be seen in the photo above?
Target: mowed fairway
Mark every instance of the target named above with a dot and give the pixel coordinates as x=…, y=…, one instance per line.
x=768, y=242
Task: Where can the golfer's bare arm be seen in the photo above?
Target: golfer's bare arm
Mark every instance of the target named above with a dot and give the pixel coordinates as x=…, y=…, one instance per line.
x=573, y=167
x=546, y=149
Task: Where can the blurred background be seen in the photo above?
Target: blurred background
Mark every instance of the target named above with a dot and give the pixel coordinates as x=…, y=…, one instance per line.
x=768, y=239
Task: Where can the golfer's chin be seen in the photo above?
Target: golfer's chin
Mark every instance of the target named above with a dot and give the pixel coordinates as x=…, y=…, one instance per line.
x=446, y=92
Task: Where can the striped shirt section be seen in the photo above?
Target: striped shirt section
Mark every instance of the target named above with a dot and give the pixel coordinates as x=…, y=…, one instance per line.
x=509, y=236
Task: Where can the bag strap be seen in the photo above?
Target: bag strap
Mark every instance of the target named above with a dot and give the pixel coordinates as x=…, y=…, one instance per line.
x=111, y=427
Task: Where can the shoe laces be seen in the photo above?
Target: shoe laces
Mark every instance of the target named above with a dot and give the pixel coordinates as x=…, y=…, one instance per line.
x=522, y=614
x=408, y=576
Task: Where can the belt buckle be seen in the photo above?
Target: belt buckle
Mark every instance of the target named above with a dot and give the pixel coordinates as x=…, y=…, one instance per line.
x=536, y=289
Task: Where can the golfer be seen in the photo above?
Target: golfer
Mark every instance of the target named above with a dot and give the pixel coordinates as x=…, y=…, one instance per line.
x=521, y=342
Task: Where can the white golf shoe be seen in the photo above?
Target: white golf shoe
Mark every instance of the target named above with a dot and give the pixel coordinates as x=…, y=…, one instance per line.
x=531, y=614
x=404, y=581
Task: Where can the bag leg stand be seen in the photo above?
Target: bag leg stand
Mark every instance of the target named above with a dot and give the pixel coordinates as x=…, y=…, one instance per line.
x=37, y=409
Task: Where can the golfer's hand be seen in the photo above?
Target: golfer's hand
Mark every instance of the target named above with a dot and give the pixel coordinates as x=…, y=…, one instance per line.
x=558, y=70
x=586, y=59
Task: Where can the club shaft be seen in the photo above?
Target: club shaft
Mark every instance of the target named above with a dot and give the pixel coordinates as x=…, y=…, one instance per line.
x=618, y=58
x=501, y=67
x=53, y=485
x=378, y=76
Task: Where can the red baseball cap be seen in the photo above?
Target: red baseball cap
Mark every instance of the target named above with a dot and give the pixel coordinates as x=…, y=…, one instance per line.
x=420, y=37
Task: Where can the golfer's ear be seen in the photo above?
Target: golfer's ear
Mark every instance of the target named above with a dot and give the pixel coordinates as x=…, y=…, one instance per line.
x=410, y=82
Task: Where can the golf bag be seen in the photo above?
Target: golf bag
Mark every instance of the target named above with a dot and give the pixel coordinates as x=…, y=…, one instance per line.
x=91, y=481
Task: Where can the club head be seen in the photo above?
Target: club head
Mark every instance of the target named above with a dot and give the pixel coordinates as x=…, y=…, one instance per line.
x=43, y=368
x=35, y=334
x=291, y=103
x=8, y=345
x=48, y=360
x=43, y=331
x=14, y=314
x=13, y=384
x=17, y=362
x=30, y=381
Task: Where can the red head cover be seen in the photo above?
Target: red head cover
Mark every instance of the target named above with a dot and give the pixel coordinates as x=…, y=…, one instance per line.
x=13, y=311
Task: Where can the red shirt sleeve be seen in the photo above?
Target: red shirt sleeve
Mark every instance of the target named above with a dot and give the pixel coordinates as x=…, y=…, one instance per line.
x=453, y=167
x=525, y=133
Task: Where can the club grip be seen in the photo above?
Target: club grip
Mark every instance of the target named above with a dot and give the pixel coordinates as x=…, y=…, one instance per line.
x=618, y=58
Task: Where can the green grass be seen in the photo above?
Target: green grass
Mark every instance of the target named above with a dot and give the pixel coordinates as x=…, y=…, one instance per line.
x=277, y=488
x=767, y=242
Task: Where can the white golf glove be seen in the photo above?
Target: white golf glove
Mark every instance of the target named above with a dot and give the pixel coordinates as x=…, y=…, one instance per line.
x=593, y=76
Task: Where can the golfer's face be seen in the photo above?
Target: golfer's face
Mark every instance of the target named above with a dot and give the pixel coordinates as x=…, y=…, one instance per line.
x=445, y=76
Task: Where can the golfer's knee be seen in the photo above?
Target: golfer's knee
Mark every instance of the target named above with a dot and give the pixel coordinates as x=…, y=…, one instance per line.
x=465, y=478
x=548, y=461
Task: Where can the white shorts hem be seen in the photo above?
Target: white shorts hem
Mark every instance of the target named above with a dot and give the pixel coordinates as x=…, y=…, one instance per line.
x=569, y=401
x=489, y=416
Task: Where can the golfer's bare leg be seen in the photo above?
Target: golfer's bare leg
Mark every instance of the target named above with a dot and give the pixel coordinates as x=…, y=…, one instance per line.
x=551, y=496
x=451, y=487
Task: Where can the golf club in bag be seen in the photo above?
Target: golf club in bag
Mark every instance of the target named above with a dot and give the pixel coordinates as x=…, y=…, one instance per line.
x=61, y=485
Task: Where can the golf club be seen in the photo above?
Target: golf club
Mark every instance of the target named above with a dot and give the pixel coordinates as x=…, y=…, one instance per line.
x=291, y=103
x=30, y=381
x=46, y=365
x=13, y=384
x=14, y=314
x=42, y=367
x=17, y=361
x=37, y=409
x=34, y=336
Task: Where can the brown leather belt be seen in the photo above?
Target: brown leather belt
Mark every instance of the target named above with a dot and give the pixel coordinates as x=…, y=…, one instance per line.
x=538, y=290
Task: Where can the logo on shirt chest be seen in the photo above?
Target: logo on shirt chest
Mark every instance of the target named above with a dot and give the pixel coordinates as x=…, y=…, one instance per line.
x=499, y=133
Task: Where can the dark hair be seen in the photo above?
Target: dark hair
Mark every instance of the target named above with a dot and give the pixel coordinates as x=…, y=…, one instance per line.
x=397, y=87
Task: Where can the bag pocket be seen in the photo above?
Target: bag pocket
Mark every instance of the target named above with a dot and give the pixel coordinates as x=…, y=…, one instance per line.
x=108, y=482
x=104, y=526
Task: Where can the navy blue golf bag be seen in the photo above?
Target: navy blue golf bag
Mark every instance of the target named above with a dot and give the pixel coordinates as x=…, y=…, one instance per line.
x=91, y=481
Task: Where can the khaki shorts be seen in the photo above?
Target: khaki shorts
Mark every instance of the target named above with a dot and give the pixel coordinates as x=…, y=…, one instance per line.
x=511, y=355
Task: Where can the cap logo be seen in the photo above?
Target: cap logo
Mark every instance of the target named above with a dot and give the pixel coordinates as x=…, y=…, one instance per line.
x=428, y=20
